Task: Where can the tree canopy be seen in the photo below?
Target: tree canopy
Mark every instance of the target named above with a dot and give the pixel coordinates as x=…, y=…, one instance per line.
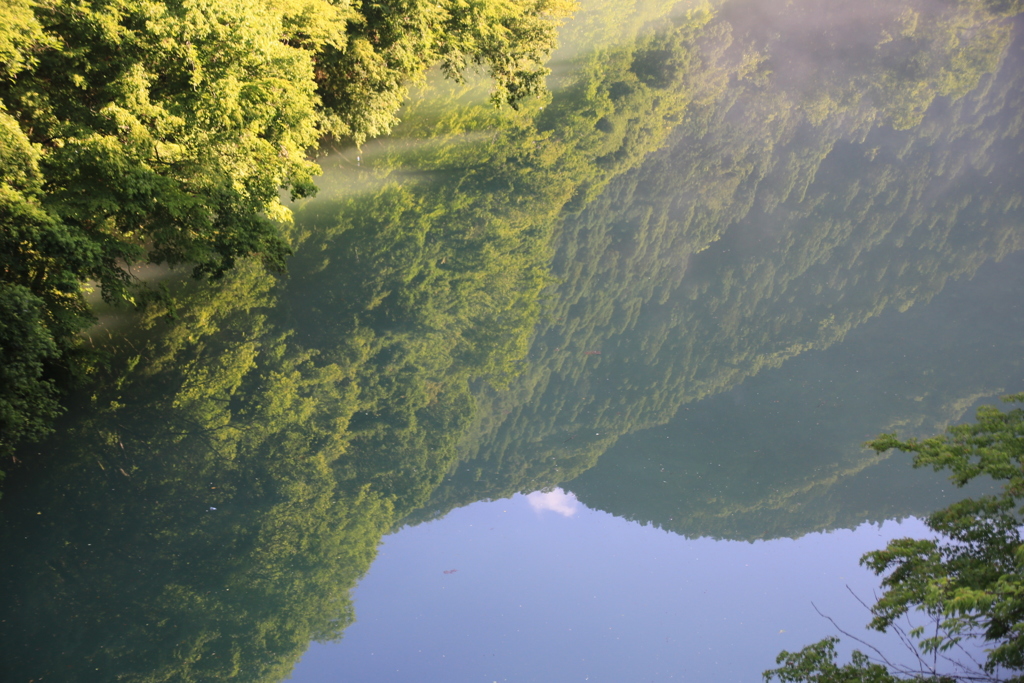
x=968, y=581
x=164, y=131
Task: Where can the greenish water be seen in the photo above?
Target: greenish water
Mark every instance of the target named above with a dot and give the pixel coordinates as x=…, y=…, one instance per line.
x=735, y=243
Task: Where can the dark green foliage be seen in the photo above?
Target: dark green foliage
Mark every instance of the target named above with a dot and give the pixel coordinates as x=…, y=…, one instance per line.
x=28, y=402
x=816, y=664
x=196, y=527
x=40, y=265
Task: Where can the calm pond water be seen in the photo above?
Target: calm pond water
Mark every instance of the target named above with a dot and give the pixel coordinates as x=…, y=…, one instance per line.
x=574, y=392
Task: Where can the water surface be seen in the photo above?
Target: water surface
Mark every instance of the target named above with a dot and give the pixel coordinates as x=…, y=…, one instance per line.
x=580, y=388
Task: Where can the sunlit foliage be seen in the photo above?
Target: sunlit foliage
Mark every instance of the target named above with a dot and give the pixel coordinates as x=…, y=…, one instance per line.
x=143, y=131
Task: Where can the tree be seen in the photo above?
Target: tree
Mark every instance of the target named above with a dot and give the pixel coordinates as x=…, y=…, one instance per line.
x=164, y=131
x=362, y=80
x=969, y=580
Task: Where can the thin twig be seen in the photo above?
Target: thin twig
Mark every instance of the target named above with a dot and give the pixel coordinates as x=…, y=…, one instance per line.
x=863, y=642
x=966, y=674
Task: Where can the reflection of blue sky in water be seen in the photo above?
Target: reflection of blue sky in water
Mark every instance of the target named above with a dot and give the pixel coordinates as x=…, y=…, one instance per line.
x=538, y=597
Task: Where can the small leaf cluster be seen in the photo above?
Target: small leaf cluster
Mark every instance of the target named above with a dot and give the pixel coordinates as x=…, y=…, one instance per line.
x=972, y=577
x=969, y=580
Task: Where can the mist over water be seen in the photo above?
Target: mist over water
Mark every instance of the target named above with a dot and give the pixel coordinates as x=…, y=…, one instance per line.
x=544, y=360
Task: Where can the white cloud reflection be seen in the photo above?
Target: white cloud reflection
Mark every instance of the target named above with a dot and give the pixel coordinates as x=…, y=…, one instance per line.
x=558, y=501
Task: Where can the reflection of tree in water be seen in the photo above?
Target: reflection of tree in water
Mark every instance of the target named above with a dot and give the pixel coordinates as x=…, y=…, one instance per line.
x=781, y=454
x=189, y=525
x=213, y=500
x=762, y=232
x=216, y=497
